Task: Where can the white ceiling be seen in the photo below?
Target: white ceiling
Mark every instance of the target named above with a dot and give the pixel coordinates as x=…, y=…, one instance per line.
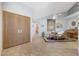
x=42, y=9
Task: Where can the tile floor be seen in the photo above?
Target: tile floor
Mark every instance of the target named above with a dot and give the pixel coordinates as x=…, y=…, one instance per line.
x=40, y=48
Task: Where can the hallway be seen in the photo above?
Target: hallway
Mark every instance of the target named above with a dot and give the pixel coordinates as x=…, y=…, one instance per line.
x=40, y=48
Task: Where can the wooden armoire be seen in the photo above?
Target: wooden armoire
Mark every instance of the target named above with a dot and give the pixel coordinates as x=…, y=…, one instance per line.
x=16, y=29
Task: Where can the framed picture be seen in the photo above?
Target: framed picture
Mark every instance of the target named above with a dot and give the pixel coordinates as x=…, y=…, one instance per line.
x=59, y=25
x=73, y=23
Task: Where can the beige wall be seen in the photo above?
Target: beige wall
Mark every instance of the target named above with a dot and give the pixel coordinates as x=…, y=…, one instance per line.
x=0, y=27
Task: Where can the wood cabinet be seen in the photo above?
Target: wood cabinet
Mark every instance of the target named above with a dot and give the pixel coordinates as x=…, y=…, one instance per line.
x=16, y=29
x=72, y=33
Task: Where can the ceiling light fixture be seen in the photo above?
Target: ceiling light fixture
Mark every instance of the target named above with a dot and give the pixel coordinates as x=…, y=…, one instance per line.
x=54, y=17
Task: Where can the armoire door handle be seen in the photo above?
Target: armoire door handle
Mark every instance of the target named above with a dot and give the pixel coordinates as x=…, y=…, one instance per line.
x=19, y=30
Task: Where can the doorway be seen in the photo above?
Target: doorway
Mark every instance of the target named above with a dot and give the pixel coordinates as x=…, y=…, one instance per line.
x=37, y=28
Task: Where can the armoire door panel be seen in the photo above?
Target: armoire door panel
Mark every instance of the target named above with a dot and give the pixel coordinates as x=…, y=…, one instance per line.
x=16, y=29
x=22, y=29
x=11, y=29
x=5, y=40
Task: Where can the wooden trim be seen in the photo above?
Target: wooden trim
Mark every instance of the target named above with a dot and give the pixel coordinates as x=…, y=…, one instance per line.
x=15, y=13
